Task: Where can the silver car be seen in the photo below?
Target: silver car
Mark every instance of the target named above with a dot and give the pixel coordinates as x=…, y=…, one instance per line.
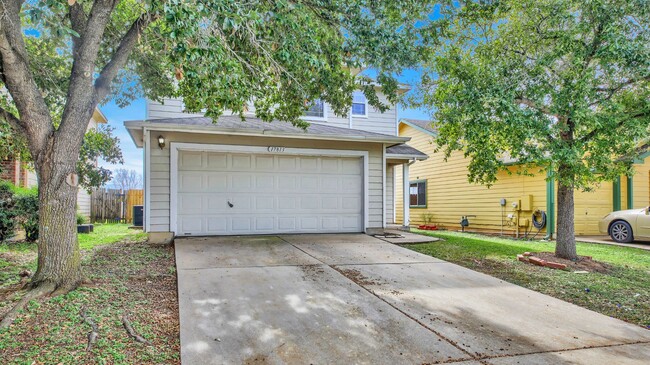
x=627, y=225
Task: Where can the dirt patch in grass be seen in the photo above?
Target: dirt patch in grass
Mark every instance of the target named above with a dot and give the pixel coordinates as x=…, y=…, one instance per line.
x=131, y=278
x=584, y=263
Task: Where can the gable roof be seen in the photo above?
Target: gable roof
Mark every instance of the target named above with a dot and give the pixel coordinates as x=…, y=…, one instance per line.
x=233, y=124
x=425, y=126
x=404, y=150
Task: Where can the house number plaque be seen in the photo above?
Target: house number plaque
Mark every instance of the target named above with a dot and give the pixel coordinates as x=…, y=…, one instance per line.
x=276, y=149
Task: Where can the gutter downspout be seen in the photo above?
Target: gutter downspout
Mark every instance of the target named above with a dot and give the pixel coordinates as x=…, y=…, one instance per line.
x=550, y=205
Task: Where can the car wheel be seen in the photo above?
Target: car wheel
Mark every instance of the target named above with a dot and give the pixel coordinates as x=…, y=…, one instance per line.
x=621, y=232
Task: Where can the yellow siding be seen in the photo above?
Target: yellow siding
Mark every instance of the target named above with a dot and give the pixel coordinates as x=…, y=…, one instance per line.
x=450, y=195
x=641, y=186
x=592, y=206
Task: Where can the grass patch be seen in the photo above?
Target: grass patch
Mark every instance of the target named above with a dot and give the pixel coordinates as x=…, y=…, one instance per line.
x=105, y=234
x=126, y=277
x=623, y=293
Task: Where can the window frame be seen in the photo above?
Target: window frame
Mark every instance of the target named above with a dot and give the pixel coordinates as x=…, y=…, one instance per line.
x=365, y=103
x=323, y=118
x=426, y=198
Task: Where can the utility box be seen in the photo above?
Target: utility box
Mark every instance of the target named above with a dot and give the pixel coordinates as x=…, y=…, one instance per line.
x=527, y=202
x=523, y=222
x=138, y=215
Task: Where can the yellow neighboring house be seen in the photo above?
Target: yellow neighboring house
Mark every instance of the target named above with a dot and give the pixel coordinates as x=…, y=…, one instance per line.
x=508, y=206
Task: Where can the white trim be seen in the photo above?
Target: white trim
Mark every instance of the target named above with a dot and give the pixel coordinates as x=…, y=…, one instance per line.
x=394, y=194
x=406, y=157
x=383, y=185
x=175, y=147
x=147, y=180
x=406, y=185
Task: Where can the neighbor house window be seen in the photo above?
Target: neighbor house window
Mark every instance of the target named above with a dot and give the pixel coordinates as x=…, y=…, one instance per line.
x=418, y=194
x=317, y=109
x=359, y=104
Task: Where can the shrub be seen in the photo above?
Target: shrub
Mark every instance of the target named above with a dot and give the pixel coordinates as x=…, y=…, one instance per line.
x=80, y=219
x=7, y=212
x=27, y=212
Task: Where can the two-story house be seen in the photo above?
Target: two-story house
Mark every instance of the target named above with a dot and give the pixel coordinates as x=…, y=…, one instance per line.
x=233, y=177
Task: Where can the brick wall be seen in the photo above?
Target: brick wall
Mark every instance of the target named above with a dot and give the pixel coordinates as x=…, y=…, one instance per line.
x=10, y=171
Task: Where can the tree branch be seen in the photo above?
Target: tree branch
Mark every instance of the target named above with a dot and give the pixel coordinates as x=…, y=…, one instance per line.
x=13, y=121
x=121, y=55
x=621, y=122
x=78, y=21
x=19, y=80
x=531, y=104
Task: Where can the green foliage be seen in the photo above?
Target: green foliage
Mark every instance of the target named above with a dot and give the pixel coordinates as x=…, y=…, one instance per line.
x=219, y=55
x=27, y=212
x=81, y=219
x=98, y=144
x=7, y=213
x=560, y=83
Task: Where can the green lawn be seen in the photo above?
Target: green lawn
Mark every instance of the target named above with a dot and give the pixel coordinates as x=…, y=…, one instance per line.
x=623, y=292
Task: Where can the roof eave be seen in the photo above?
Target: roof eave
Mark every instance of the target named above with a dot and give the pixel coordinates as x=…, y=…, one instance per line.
x=257, y=133
x=417, y=127
x=395, y=156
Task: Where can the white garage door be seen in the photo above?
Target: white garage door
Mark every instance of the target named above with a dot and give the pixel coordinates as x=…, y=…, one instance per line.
x=236, y=193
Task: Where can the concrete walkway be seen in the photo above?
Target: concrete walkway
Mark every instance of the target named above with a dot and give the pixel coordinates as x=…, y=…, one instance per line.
x=606, y=240
x=355, y=299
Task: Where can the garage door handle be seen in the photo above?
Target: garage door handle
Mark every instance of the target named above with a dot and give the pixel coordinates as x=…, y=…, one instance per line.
x=230, y=204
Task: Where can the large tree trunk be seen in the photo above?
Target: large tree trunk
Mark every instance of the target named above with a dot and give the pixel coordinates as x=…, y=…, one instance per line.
x=58, y=247
x=565, y=246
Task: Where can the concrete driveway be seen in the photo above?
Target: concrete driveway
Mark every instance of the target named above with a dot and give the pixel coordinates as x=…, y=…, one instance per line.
x=354, y=299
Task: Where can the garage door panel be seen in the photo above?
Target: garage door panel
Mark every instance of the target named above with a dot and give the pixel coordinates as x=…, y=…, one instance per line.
x=264, y=163
x=264, y=182
x=308, y=184
x=217, y=160
x=241, y=224
x=308, y=164
x=265, y=203
x=217, y=182
x=191, y=160
x=265, y=224
x=190, y=182
x=268, y=193
x=190, y=204
x=241, y=162
x=217, y=225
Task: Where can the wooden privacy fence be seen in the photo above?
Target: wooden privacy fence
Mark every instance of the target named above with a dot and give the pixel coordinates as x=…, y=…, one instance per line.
x=133, y=197
x=114, y=205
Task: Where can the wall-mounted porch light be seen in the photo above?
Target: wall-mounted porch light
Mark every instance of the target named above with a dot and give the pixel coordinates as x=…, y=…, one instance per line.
x=161, y=142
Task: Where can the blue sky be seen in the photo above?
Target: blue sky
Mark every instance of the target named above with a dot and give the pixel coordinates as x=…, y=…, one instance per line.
x=136, y=110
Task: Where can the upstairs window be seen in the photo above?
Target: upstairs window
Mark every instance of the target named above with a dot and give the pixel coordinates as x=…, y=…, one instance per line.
x=317, y=110
x=359, y=104
x=418, y=194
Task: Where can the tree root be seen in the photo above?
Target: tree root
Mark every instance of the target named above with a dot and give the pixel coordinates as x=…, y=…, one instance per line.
x=129, y=329
x=94, y=331
x=34, y=293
